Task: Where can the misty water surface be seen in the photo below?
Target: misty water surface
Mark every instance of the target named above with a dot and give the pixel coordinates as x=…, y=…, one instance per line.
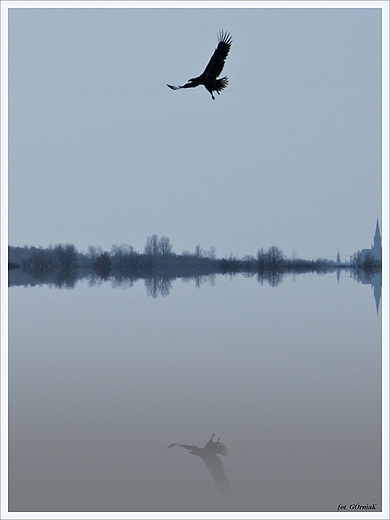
x=103, y=380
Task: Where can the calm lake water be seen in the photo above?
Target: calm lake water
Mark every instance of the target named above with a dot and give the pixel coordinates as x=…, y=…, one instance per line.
x=103, y=379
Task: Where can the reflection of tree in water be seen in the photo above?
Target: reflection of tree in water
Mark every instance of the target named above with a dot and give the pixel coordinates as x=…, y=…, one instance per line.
x=273, y=278
x=366, y=274
x=123, y=282
x=61, y=279
x=62, y=266
x=212, y=278
x=65, y=278
x=202, y=278
x=94, y=280
x=209, y=456
x=156, y=286
x=199, y=280
x=372, y=276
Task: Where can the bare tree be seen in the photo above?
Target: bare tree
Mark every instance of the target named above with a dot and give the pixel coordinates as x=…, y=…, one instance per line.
x=275, y=258
x=357, y=259
x=152, y=246
x=164, y=246
x=212, y=253
x=94, y=252
x=119, y=253
x=66, y=256
x=125, y=259
x=198, y=252
x=269, y=260
x=261, y=259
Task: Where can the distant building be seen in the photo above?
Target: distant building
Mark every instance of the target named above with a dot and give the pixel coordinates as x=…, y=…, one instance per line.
x=376, y=247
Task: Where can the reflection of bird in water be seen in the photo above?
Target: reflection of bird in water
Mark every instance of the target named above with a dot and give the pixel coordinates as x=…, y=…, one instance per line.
x=209, y=455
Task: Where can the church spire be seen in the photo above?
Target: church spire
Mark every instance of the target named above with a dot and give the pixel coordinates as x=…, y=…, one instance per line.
x=377, y=236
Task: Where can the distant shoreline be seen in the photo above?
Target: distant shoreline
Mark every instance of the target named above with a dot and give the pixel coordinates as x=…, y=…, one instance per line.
x=62, y=265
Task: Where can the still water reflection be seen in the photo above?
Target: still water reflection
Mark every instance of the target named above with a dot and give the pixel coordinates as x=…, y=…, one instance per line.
x=209, y=455
x=101, y=381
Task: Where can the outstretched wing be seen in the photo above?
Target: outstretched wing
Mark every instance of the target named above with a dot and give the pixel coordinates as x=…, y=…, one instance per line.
x=220, y=448
x=217, y=60
x=188, y=447
x=217, y=471
x=190, y=84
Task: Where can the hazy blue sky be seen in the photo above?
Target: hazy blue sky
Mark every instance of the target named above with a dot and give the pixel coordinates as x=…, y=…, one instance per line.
x=102, y=152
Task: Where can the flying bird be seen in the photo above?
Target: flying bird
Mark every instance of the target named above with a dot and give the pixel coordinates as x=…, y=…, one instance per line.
x=214, y=68
x=209, y=456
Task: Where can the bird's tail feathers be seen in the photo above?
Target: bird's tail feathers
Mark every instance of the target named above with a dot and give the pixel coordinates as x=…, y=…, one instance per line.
x=221, y=84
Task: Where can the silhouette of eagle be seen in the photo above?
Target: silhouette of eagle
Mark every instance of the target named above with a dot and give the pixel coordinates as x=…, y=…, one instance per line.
x=209, y=456
x=214, y=68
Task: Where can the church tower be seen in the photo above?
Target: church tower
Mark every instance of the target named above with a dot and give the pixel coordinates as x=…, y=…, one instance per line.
x=376, y=248
x=377, y=245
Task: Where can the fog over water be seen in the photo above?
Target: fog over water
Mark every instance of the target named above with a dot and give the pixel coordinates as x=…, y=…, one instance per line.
x=103, y=380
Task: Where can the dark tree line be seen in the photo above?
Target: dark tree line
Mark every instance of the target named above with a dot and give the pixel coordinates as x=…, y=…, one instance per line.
x=56, y=265
x=62, y=257
x=158, y=265
x=271, y=260
x=271, y=265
